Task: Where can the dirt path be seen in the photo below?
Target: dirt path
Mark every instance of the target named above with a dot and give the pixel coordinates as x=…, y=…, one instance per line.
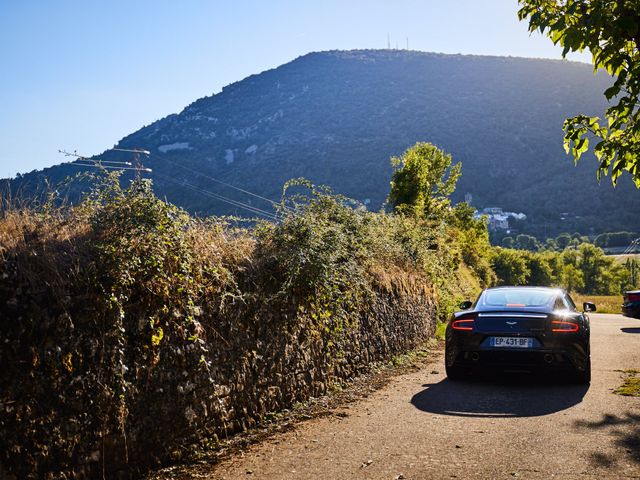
x=421, y=426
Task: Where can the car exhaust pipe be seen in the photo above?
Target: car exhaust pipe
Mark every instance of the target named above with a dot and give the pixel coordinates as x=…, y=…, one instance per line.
x=475, y=356
x=548, y=358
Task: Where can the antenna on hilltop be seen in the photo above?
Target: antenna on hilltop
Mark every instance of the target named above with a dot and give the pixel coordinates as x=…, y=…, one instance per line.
x=407, y=43
x=388, y=41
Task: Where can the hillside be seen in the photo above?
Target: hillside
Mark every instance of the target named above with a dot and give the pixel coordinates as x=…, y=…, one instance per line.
x=336, y=118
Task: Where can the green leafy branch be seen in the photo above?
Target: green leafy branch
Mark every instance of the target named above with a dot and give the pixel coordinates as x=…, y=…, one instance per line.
x=610, y=30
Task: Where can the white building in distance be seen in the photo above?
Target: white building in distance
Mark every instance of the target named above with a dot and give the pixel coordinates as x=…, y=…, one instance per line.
x=499, y=219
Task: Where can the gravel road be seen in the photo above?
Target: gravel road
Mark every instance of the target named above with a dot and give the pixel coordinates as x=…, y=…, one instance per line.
x=422, y=426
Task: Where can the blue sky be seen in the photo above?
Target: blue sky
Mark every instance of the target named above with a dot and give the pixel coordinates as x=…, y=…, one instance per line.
x=80, y=75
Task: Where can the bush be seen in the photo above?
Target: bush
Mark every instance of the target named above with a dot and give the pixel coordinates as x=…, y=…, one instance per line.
x=510, y=267
x=131, y=329
x=103, y=318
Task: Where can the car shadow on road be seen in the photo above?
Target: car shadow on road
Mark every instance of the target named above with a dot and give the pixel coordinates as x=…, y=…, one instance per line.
x=499, y=395
x=631, y=329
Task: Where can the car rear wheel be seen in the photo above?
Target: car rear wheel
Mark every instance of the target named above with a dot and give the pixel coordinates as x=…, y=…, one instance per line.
x=583, y=377
x=456, y=372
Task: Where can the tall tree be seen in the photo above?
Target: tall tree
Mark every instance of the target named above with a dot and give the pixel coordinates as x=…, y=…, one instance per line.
x=610, y=29
x=510, y=266
x=422, y=181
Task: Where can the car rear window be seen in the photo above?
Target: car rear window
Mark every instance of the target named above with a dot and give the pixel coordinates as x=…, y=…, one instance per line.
x=518, y=297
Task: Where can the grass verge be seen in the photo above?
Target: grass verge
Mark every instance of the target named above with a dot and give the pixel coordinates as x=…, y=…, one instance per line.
x=631, y=384
x=604, y=303
x=441, y=328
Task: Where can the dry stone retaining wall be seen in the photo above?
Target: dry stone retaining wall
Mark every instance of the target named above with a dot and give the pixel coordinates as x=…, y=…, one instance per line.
x=64, y=415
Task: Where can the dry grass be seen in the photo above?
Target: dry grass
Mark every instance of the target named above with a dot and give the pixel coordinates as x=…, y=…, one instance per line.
x=215, y=243
x=44, y=247
x=624, y=258
x=14, y=226
x=407, y=282
x=604, y=303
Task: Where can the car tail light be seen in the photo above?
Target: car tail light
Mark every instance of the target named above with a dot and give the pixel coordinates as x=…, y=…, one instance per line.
x=466, y=324
x=561, y=326
x=633, y=297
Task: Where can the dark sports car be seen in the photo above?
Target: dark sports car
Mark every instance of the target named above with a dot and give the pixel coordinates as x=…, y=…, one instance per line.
x=519, y=329
x=631, y=304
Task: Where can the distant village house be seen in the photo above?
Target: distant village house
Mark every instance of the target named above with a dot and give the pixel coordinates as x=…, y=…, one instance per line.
x=499, y=219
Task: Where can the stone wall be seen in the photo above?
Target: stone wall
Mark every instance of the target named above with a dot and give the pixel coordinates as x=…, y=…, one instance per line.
x=61, y=416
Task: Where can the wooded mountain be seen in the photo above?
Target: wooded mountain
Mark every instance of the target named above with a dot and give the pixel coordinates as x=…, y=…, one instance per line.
x=336, y=117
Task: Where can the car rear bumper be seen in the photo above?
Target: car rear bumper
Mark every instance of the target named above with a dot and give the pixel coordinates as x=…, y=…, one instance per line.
x=631, y=310
x=551, y=352
x=506, y=359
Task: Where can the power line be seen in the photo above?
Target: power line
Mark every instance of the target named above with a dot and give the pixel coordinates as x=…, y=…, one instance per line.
x=107, y=167
x=221, y=198
x=209, y=177
x=632, y=246
x=113, y=162
x=272, y=202
x=98, y=163
x=74, y=154
x=121, y=165
x=135, y=150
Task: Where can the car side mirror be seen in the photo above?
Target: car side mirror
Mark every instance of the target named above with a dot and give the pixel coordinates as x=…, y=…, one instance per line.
x=589, y=307
x=466, y=305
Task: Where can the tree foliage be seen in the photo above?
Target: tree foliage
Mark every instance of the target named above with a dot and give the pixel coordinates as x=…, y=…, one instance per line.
x=527, y=242
x=615, y=239
x=510, y=267
x=422, y=181
x=610, y=29
x=471, y=237
x=583, y=268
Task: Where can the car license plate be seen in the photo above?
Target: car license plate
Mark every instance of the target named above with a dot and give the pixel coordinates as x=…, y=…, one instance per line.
x=511, y=342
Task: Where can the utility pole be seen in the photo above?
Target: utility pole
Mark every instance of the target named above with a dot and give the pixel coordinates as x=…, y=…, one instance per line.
x=388, y=41
x=135, y=161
